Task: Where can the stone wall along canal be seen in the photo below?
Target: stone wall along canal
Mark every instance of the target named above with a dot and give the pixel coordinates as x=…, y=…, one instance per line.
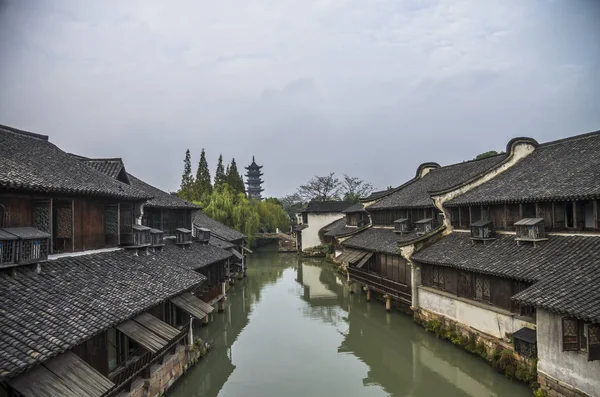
x=292, y=328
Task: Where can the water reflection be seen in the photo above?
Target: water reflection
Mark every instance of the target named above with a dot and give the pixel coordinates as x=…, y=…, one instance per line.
x=292, y=328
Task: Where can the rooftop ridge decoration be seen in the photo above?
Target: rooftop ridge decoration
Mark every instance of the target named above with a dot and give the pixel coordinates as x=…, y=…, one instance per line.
x=23, y=133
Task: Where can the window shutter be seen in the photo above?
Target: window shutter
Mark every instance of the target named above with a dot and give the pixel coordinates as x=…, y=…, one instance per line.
x=593, y=337
x=570, y=334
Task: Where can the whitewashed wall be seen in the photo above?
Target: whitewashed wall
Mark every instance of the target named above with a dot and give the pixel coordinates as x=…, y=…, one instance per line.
x=483, y=319
x=571, y=368
x=310, y=235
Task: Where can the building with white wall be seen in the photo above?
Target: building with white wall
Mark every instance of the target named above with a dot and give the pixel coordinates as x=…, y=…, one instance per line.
x=313, y=218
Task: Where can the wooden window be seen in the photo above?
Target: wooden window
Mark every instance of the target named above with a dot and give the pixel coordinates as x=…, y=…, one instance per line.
x=454, y=217
x=588, y=214
x=528, y=210
x=438, y=277
x=570, y=214
x=570, y=334
x=465, y=285
x=593, y=339
x=482, y=288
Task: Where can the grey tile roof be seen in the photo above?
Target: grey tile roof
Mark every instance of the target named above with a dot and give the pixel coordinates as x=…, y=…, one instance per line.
x=220, y=243
x=31, y=163
x=327, y=206
x=566, y=268
x=227, y=233
x=74, y=298
x=161, y=198
x=375, y=239
x=338, y=228
x=374, y=195
x=416, y=192
x=110, y=167
x=196, y=255
x=567, y=169
x=358, y=207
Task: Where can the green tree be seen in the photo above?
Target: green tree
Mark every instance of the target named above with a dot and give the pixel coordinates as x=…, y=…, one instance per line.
x=483, y=155
x=354, y=188
x=234, y=179
x=220, y=177
x=221, y=205
x=202, y=185
x=186, y=190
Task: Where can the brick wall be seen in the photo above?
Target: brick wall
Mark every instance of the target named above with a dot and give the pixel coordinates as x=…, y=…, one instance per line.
x=555, y=388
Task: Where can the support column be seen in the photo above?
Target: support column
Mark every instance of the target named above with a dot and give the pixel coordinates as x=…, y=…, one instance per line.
x=191, y=331
x=415, y=281
x=388, y=303
x=205, y=320
x=368, y=294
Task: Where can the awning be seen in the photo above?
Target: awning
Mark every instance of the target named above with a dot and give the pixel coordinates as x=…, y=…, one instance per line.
x=364, y=260
x=160, y=328
x=142, y=335
x=66, y=375
x=351, y=256
x=192, y=305
x=236, y=253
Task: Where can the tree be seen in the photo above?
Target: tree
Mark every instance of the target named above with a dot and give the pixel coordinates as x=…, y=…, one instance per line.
x=321, y=188
x=483, y=155
x=186, y=190
x=202, y=185
x=292, y=203
x=354, y=188
x=220, y=176
x=234, y=178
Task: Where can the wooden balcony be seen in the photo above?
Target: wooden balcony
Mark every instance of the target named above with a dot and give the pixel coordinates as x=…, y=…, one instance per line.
x=139, y=365
x=397, y=291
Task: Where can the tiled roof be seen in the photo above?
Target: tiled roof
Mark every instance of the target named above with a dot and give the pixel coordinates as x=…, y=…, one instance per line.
x=568, y=169
x=74, y=298
x=220, y=243
x=337, y=227
x=358, y=207
x=225, y=232
x=374, y=195
x=327, y=206
x=196, y=255
x=109, y=167
x=416, y=192
x=375, y=239
x=567, y=268
x=31, y=163
x=161, y=199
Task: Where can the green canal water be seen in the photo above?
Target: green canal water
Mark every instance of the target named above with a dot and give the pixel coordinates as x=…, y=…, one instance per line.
x=291, y=328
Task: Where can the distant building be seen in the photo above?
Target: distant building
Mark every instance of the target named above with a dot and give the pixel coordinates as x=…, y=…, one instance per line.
x=254, y=182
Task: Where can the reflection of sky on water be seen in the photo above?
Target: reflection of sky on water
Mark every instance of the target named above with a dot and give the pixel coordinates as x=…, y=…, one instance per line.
x=293, y=329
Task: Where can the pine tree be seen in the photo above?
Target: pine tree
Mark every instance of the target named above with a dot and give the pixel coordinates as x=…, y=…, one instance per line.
x=186, y=190
x=220, y=176
x=234, y=179
x=202, y=186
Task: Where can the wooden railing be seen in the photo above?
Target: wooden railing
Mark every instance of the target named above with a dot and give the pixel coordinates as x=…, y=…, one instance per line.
x=122, y=378
x=374, y=281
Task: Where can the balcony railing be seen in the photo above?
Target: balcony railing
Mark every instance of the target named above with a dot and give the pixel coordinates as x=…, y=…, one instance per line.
x=398, y=291
x=133, y=369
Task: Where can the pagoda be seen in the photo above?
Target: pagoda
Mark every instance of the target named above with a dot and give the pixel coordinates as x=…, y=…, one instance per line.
x=254, y=182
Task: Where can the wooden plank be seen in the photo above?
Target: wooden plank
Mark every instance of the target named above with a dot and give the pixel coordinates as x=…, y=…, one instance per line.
x=161, y=328
x=40, y=382
x=142, y=335
x=80, y=377
x=364, y=260
x=184, y=305
x=197, y=301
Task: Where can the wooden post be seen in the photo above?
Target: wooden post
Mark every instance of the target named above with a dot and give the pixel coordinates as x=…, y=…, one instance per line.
x=118, y=223
x=470, y=215
x=388, y=303
x=595, y=204
x=368, y=295
x=162, y=225
x=191, y=331
x=553, y=218
x=575, y=214
x=459, y=217
x=505, y=220
x=73, y=224
x=205, y=320
x=520, y=210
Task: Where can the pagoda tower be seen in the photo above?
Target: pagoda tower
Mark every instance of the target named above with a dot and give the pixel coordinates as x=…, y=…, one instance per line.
x=254, y=182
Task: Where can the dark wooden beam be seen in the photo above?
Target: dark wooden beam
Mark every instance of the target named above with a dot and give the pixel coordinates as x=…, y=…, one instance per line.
x=595, y=204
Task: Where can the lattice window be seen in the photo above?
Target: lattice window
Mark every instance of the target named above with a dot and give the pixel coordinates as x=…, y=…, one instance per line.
x=32, y=250
x=482, y=288
x=42, y=216
x=465, y=284
x=438, y=276
x=593, y=336
x=570, y=334
x=111, y=220
x=64, y=222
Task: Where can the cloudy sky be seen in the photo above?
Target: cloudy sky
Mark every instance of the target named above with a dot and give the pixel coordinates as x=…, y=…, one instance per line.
x=371, y=88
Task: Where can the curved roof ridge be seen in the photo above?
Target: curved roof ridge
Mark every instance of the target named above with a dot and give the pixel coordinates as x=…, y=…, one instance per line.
x=24, y=133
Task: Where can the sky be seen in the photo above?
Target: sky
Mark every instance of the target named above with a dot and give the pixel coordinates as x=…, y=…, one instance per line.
x=368, y=88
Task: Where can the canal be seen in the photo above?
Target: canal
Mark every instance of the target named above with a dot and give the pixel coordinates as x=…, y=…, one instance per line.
x=293, y=329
